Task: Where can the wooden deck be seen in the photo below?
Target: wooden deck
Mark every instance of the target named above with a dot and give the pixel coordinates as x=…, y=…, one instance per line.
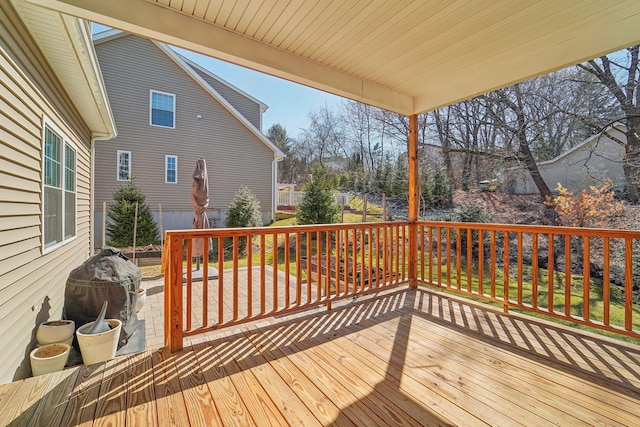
x=403, y=358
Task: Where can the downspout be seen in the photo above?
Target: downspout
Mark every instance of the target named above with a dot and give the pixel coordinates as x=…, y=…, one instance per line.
x=95, y=136
x=274, y=186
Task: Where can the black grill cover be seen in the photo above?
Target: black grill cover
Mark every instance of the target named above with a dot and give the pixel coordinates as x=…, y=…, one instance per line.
x=107, y=276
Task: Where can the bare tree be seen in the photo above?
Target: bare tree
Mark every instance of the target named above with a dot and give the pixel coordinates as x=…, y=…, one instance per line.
x=620, y=74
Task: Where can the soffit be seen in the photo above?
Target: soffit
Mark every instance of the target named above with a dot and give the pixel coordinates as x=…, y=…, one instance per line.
x=66, y=44
x=405, y=56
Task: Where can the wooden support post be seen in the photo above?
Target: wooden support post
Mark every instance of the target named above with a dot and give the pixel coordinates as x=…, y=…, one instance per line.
x=413, y=200
x=364, y=208
x=173, y=306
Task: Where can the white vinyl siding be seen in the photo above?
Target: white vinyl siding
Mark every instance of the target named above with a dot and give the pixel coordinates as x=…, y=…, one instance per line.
x=59, y=193
x=124, y=165
x=162, y=109
x=171, y=169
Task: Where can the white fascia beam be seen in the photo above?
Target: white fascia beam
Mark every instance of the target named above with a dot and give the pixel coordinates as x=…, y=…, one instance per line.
x=164, y=24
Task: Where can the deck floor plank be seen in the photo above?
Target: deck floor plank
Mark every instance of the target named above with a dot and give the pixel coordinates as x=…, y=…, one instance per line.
x=403, y=357
x=170, y=405
x=338, y=393
x=53, y=405
x=200, y=406
x=141, y=399
x=313, y=397
x=111, y=409
x=536, y=383
x=286, y=401
x=81, y=409
x=232, y=409
x=260, y=406
x=22, y=407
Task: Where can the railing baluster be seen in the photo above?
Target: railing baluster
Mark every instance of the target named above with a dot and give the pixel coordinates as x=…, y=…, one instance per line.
x=493, y=264
x=550, y=274
x=346, y=261
x=338, y=249
x=370, y=257
x=628, y=284
x=505, y=290
x=274, y=273
x=458, y=256
x=319, y=265
x=423, y=243
x=189, y=271
x=480, y=262
x=220, y=280
x=249, y=277
x=534, y=270
x=298, y=269
x=439, y=255
x=354, y=260
x=567, y=275
x=430, y=245
x=205, y=282
x=287, y=280
x=236, y=251
x=327, y=292
x=586, y=276
x=469, y=260
x=448, y=246
x=606, y=290
x=309, y=251
x=263, y=298
x=520, y=268
x=403, y=246
x=362, y=260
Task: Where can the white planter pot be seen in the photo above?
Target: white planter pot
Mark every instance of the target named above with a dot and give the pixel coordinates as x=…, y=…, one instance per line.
x=142, y=297
x=49, y=358
x=97, y=348
x=55, y=331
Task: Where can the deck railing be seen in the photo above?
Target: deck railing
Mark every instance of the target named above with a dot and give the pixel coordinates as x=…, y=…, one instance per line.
x=581, y=275
x=268, y=271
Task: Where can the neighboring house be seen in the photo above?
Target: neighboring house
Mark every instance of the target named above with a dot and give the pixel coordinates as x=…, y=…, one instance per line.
x=591, y=162
x=53, y=107
x=170, y=112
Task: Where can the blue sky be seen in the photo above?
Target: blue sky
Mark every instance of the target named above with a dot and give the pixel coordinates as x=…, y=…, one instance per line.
x=289, y=103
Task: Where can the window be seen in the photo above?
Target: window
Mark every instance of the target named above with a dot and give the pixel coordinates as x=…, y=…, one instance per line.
x=124, y=165
x=163, y=107
x=59, y=198
x=171, y=169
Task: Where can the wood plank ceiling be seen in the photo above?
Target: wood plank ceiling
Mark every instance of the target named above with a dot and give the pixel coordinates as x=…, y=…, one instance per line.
x=405, y=56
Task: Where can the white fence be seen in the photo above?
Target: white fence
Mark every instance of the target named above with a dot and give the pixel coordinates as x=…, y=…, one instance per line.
x=294, y=198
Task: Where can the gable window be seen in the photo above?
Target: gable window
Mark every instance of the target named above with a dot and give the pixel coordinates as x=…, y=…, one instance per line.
x=171, y=169
x=124, y=165
x=163, y=108
x=59, y=198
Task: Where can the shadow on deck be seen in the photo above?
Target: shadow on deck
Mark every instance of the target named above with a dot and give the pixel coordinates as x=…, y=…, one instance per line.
x=406, y=357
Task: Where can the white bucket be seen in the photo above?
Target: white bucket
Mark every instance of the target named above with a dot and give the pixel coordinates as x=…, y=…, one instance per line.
x=49, y=358
x=142, y=297
x=97, y=348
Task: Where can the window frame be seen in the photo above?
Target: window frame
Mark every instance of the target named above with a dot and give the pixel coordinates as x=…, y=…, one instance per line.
x=166, y=168
x=65, y=142
x=173, y=97
x=118, y=165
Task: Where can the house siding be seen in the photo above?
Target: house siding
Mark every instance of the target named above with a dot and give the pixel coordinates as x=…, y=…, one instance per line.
x=245, y=106
x=234, y=155
x=592, y=163
x=32, y=282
